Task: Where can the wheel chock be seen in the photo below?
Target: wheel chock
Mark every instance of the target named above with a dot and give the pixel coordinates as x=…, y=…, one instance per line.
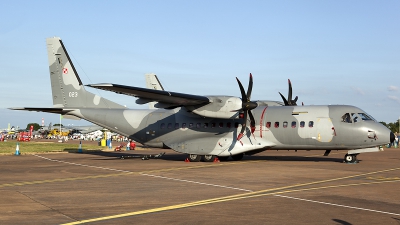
x=216, y=160
x=187, y=160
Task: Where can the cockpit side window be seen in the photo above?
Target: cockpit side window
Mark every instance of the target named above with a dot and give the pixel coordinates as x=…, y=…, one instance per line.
x=365, y=116
x=356, y=118
x=346, y=118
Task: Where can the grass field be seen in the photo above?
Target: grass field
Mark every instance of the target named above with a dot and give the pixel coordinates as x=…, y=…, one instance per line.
x=9, y=147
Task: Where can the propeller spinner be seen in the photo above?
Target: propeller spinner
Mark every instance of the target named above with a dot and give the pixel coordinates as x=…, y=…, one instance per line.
x=247, y=106
x=289, y=100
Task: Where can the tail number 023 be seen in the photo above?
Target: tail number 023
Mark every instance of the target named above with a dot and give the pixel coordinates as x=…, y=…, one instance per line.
x=73, y=94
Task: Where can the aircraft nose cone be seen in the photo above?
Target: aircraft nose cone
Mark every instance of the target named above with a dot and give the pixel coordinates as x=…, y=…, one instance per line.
x=392, y=137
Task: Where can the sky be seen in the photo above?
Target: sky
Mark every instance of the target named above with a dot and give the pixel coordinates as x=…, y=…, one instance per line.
x=333, y=51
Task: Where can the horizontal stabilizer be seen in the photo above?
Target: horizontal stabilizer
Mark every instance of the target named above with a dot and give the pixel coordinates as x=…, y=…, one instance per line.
x=48, y=110
x=171, y=98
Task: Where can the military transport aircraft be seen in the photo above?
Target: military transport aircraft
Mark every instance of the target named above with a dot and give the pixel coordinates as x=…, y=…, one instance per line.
x=206, y=127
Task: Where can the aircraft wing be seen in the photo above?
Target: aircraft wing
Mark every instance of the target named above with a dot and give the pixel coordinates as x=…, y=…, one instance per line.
x=165, y=99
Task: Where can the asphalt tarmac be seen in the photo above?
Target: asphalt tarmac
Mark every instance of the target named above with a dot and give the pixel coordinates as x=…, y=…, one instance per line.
x=272, y=187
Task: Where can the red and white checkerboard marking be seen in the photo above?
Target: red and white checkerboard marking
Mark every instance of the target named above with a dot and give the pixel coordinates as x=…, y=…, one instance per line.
x=65, y=70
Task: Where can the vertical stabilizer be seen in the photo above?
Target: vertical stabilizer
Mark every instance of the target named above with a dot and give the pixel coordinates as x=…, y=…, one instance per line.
x=67, y=88
x=152, y=82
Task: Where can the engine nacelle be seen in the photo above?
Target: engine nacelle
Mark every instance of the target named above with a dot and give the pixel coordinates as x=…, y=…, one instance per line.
x=220, y=107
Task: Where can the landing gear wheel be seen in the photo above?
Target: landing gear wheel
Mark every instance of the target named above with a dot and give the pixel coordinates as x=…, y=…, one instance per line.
x=237, y=157
x=223, y=158
x=350, y=158
x=194, y=158
x=208, y=158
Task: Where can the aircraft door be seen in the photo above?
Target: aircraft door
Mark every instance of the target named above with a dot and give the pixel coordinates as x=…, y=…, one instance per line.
x=325, y=129
x=152, y=127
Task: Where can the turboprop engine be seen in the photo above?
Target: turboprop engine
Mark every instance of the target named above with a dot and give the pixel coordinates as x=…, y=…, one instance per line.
x=223, y=107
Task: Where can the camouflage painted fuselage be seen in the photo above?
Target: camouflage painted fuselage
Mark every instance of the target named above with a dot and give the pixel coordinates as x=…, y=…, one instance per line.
x=209, y=125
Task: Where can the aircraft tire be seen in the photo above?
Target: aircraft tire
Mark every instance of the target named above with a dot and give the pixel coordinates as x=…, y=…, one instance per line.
x=350, y=158
x=223, y=158
x=194, y=158
x=208, y=158
x=237, y=157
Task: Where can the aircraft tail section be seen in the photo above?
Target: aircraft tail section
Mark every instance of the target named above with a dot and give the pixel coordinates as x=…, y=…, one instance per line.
x=66, y=85
x=153, y=83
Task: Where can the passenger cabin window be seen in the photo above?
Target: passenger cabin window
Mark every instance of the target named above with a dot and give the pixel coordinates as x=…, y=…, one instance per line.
x=236, y=125
x=205, y=125
x=162, y=126
x=169, y=126
x=311, y=124
x=212, y=125
x=285, y=124
x=198, y=125
x=184, y=125
x=190, y=125
x=276, y=124
x=221, y=124
x=228, y=125
x=293, y=124
x=346, y=118
x=302, y=124
x=268, y=125
x=176, y=125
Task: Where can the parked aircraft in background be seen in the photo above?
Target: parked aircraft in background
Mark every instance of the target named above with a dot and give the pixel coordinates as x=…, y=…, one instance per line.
x=83, y=129
x=208, y=126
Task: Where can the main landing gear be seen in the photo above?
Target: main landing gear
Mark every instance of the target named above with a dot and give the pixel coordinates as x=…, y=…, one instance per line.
x=211, y=158
x=350, y=158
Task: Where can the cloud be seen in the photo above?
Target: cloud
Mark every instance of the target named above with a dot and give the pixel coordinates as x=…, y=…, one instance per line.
x=358, y=90
x=393, y=88
x=394, y=98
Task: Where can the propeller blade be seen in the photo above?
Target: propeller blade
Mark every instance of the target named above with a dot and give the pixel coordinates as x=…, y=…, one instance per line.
x=252, y=122
x=290, y=90
x=284, y=99
x=243, y=126
x=244, y=97
x=250, y=88
x=289, y=100
x=295, y=100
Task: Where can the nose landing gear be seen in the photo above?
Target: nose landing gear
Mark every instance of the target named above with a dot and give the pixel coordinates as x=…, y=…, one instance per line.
x=350, y=158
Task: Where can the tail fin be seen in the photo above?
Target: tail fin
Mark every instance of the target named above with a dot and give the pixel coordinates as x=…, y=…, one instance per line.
x=152, y=82
x=67, y=88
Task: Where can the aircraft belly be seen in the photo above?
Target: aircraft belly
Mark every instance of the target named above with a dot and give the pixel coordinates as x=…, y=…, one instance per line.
x=201, y=146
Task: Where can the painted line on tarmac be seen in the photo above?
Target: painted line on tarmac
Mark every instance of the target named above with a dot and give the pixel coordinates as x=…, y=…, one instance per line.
x=338, y=205
x=209, y=201
x=78, y=164
x=63, y=179
x=124, y=172
x=195, y=182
